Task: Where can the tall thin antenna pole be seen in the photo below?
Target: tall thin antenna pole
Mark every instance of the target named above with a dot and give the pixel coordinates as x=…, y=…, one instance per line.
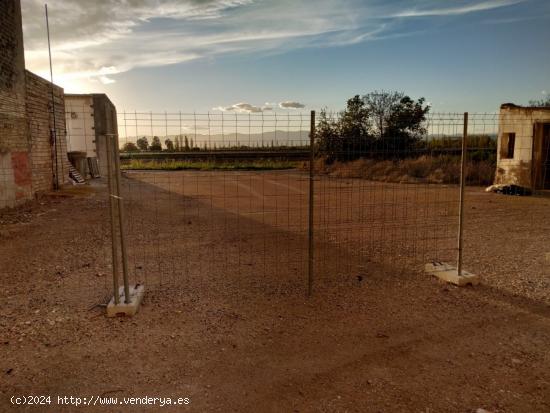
x=54, y=131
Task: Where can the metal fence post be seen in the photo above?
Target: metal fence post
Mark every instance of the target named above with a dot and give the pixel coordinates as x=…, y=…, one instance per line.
x=461, y=200
x=114, y=141
x=114, y=248
x=311, y=200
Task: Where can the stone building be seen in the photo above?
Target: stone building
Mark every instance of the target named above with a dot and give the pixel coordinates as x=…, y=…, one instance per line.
x=31, y=160
x=523, y=156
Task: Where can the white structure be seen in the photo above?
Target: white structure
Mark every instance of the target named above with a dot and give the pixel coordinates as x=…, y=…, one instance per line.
x=79, y=120
x=89, y=119
x=523, y=156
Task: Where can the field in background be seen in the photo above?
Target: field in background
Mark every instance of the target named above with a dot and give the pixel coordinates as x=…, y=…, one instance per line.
x=173, y=165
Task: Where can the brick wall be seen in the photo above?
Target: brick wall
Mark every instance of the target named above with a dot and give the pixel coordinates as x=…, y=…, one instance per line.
x=40, y=124
x=26, y=119
x=14, y=139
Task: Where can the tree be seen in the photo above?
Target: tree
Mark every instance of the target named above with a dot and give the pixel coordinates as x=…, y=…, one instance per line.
x=381, y=104
x=155, y=144
x=347, y=135
x=191, y=144
x=354, y=128
x=404, y=127
x=381, y=124
x=327, y=136
x=129, y=147
x=186, y=144
x=545, y=102
x=142, y=144
x=169, y=145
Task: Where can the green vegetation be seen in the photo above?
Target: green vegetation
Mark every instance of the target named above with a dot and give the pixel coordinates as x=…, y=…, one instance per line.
x=155, y=145
x=479, y=148
x=255, y=165
x=142, y=144
x=129, y=147
x=544, y=102
x=169, y=145
x=383, y=136
x=379, y=124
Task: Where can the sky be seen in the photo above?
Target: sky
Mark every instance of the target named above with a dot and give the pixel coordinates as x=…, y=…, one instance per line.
x=250, y=56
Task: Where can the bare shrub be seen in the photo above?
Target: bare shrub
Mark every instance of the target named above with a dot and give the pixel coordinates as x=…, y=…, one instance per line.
x=443, y=169
x=480, y=173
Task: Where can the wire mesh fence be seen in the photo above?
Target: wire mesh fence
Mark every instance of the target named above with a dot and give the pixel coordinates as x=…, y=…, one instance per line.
x=228, y=195
x=238, y=211
x=248, y=199
x=387, y=198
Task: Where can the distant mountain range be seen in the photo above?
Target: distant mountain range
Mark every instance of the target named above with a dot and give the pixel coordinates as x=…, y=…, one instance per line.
x=277, y=138
x=266, y=139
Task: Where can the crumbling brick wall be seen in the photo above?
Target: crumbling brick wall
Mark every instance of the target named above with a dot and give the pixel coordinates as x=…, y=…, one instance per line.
x=40, y=126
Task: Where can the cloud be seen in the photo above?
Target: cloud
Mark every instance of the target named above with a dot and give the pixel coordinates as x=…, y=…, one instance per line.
x=289, y=104
x=106, y=80
x=88, y=37
x=241, y=108
x=467, y=8
x=249, y=108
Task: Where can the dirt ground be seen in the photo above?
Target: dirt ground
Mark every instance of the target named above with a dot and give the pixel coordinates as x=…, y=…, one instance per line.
x=226, y=322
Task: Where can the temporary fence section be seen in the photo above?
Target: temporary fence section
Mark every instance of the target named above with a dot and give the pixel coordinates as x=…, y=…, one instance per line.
x=289, y=201
x=227, y=195
x=387, y=196
x=298, y=202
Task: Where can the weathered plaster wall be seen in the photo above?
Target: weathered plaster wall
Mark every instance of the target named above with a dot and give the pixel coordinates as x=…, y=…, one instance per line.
x=521, y=121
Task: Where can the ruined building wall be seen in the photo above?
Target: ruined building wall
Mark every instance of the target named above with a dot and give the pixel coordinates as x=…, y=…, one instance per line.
x=40, y=124
x=15, y=165
x=520, y=121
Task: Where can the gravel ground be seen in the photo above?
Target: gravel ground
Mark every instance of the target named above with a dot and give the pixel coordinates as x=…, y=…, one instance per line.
x=226, y=323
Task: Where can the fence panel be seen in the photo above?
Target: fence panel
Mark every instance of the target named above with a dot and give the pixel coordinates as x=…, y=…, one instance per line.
x=229, y=198
x=386, y=198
